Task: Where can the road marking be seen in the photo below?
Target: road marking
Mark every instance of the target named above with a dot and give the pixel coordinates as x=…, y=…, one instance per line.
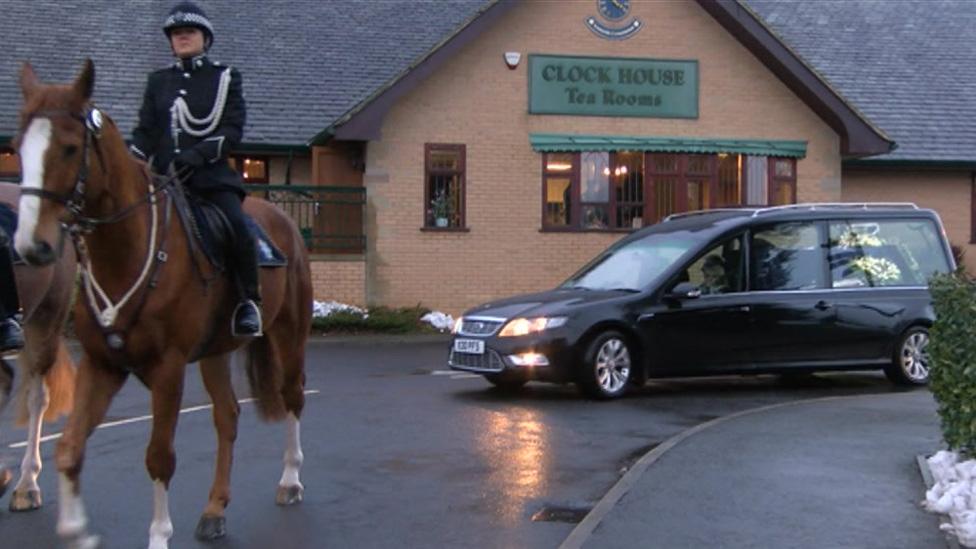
x=453, y=374
x=127, y=421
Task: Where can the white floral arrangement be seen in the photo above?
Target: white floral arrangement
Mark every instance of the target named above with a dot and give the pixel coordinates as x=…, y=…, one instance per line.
x=852, y=239
x=878, y=269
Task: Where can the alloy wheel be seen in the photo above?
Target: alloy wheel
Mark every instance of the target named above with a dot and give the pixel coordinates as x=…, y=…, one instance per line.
x=915, y=356
x=612, y=365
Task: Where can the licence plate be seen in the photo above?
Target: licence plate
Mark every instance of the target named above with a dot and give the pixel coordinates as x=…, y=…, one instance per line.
x=470, y=346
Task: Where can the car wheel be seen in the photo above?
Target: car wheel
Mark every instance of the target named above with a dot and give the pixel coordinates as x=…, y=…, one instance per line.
x=506, y=382
x=910, y=363
x=607, y=366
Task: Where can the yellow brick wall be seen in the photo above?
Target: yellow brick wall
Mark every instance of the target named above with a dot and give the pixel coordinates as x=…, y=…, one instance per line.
x=339, y=279
x=946, y=192
x=476, y=100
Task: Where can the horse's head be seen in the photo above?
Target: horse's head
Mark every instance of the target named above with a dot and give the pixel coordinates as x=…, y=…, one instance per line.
x=57, y=130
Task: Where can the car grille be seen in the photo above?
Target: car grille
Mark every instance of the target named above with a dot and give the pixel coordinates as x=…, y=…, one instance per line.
x=490, y=361
x=479, y=326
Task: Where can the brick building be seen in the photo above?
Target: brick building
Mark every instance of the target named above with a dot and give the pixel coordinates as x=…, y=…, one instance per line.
x=501, y=144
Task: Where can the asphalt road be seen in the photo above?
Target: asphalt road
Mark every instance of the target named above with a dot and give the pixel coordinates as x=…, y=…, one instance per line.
x=399, y=453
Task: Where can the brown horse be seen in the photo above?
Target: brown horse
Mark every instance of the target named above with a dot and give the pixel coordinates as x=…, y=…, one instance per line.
x=48, y=373
x=144, y=309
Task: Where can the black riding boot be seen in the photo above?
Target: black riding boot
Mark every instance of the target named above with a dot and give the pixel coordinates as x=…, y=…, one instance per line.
x=247, y=315
x=11, y=334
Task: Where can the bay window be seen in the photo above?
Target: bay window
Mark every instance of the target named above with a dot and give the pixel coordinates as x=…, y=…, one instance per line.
x=625, y=190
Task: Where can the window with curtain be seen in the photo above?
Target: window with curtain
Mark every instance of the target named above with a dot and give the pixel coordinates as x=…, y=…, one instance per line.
x=626, y=190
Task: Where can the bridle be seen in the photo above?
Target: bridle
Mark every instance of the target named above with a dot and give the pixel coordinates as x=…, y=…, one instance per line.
x=78, y=224
x=74, y=200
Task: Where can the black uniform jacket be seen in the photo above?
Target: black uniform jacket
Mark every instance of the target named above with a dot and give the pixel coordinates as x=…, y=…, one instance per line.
x=197, y=81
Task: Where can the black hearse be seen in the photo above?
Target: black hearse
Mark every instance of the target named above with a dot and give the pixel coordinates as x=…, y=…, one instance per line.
x=762, y=290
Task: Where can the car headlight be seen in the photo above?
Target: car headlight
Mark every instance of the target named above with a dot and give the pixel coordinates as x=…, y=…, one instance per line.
x=526, y=326
x=457, y=325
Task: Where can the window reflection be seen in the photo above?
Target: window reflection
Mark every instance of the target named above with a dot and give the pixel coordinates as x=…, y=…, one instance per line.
x=787, y=256
x=595, y=177
x=633, y=265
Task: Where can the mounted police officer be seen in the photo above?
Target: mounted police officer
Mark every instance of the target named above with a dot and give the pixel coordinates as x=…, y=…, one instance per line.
x=11, y=334
x=192, y=115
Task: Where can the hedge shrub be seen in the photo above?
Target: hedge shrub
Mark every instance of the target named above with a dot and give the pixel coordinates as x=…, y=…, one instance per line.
x=952, y=353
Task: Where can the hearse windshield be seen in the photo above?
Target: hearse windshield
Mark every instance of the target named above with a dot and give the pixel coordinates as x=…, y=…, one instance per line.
x=632, y=265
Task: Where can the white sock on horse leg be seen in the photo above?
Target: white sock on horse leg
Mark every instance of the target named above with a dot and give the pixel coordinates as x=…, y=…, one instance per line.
x=161, y=528
x=30, y=467
x=293, y=453
x=72, y=521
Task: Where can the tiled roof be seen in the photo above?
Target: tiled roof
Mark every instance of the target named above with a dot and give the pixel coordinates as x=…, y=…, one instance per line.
x=305, y=62
x=909, y=66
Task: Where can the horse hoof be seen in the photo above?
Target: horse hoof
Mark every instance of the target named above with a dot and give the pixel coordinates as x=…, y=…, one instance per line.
x=29, y=500
x=290, y=495
x=5, y=477
x=211, y=528
x=84, y=541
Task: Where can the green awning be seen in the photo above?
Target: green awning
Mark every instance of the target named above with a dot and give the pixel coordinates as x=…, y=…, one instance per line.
x=554, y=142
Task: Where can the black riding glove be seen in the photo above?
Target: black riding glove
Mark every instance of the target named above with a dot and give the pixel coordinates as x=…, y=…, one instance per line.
x=189, y=158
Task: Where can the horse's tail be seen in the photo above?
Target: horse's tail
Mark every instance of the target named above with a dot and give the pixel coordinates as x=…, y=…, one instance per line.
x=266, y=378
x=60, y=381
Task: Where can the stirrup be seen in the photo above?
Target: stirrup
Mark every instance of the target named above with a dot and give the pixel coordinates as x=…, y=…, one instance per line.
x=11, y=337
x=257, y=312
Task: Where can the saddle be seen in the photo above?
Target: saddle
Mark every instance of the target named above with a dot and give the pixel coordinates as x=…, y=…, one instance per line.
x=8, y=226
x=208, y=230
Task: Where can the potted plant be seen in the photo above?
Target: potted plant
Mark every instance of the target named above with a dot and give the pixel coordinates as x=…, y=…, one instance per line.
x=440, y=209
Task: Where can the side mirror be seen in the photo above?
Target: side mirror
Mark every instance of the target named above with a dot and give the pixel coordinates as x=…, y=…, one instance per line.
x=683, y=291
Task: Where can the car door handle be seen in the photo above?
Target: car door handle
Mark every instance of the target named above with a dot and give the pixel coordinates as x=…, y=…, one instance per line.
x=744, y=309
x=822, y=305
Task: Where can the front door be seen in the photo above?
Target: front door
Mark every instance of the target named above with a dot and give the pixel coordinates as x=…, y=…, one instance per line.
x=711, y=332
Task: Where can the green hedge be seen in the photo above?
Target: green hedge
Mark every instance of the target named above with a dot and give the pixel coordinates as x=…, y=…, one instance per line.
x=952, y=349
x=381, y=319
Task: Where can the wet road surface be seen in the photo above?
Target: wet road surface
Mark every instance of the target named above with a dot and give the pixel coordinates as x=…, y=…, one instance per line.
x=399, y=452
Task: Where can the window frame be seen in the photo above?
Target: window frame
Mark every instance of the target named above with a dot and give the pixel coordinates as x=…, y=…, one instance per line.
x=462, y=178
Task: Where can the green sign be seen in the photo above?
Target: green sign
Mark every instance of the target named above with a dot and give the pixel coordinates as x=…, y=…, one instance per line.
x=613, y=86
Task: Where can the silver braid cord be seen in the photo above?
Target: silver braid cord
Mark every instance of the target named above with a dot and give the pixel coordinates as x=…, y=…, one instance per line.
x=183, y=120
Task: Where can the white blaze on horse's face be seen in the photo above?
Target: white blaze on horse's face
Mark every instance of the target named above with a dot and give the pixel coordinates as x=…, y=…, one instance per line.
x=33, y=148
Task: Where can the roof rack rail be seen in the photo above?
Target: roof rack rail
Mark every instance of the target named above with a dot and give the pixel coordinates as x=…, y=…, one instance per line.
x=811, y=206
x=703, y=212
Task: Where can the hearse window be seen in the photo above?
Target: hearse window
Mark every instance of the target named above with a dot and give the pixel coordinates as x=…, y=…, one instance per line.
x=893, y=252
x=635, y=264
x=720, y=270
x=787, y=256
